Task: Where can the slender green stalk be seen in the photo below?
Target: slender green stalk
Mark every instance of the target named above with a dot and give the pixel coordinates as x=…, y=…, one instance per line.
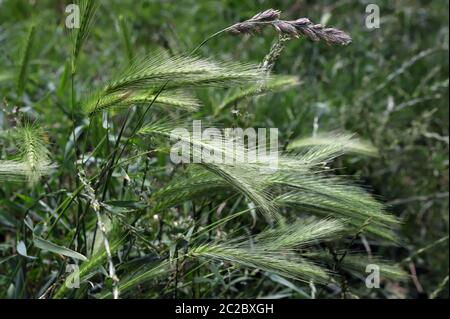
x=25, y=60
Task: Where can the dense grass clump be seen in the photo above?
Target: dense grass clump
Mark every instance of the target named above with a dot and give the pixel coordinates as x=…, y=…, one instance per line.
x=86, y=130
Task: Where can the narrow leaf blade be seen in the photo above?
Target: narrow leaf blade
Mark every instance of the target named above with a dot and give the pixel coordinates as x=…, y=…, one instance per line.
x=47, y=245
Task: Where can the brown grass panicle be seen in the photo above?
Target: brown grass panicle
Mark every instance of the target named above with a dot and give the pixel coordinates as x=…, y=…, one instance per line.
x=290, y=28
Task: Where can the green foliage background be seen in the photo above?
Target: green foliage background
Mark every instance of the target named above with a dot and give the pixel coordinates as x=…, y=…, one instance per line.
x=390, y=86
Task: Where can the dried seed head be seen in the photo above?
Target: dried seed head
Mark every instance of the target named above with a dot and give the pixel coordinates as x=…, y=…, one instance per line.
x=302, y=22
x=268, y=15
x=335, y=36
x=287, y=28
x=309, y=33
x=251, y=25
x=244, y=28
x=318, y=32
x=293, y=29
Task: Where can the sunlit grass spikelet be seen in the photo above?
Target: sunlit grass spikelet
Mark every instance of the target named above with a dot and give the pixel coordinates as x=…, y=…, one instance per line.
x=33, y=159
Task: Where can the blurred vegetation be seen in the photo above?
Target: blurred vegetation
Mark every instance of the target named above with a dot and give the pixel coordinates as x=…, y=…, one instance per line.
x=390, y=86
